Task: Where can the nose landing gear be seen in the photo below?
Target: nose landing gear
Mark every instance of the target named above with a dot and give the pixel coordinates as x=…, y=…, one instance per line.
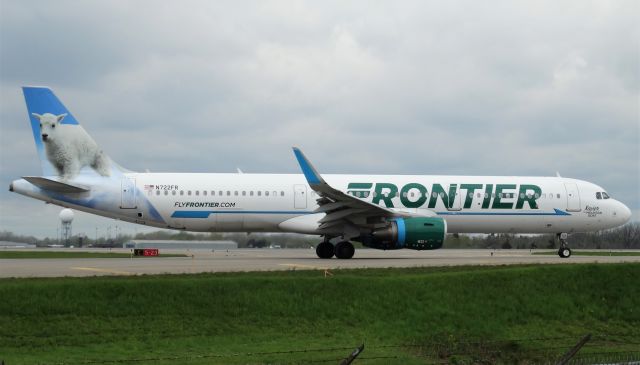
x=564, y=251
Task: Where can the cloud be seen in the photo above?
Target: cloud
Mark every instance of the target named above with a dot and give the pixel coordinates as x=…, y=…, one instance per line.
x=516, y=88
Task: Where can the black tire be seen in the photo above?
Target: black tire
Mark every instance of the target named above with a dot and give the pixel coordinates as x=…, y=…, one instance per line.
x=564, y=252
x=345, y=250
x=325, y=250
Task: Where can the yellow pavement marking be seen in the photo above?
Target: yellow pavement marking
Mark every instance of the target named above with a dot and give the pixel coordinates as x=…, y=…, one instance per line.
x=103, y=270
x=305, y=266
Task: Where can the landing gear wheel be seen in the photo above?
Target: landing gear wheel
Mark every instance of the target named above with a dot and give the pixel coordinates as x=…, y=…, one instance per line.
x=564, y=251
x=345, y=250
x=325, y=250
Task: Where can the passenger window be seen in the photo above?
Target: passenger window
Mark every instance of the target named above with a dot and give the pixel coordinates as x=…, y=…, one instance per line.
x=181, y=192
x=259, y=193
x=558, y=196
x=188, y=192
x=197, y=192
x=479, y=195
x=166, y=192
x=157, y=192
x=598, y=195
x=220, y=193
x=282, y=193
x=173, y=192
x=266, y=193
x=204, y=192
x=228, y=192
x=213, y=193
x=605, y=195
x=244, y=193
x=235, y=193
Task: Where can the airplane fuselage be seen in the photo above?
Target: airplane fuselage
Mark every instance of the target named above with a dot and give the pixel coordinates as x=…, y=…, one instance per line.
x=285, y=203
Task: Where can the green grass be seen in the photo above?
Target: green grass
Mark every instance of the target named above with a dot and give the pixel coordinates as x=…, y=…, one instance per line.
x=592, y=253
x=36, y=254
x=404, y=316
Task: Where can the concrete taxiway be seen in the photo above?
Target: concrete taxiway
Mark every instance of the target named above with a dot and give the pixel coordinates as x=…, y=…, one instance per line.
x=285, y=259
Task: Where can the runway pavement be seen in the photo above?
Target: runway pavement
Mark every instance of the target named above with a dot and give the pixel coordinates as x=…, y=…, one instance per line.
x=276, y=259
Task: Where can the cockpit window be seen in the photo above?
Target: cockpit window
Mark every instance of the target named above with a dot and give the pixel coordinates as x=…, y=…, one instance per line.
x=598, y=195
x=605, y=195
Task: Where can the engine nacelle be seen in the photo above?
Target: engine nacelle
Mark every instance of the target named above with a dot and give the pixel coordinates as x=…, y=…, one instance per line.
x=416, y=233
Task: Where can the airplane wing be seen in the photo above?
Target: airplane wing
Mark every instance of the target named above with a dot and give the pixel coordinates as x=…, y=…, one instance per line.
x=343, y=209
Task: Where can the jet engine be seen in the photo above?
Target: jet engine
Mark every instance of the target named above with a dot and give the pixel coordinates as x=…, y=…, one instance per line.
x=416, y=233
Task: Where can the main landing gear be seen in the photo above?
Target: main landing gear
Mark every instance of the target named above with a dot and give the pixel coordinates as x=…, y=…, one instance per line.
x=564, y=251
x=342, y=250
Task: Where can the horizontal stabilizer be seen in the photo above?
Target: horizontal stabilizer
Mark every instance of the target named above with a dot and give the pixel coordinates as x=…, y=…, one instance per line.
x=53, y=185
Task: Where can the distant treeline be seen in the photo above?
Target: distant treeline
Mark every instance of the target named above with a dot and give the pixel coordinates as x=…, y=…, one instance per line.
x=624, y=237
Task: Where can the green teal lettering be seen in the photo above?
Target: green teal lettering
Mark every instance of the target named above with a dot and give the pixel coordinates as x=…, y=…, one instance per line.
x=379, y=196
x=471, y=188
x=497, y=204
x=531, y=199
x=487, y=196
x=422, y=197
x=439, y=192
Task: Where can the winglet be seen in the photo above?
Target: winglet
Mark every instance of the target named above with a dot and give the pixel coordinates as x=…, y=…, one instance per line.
x=310, y=173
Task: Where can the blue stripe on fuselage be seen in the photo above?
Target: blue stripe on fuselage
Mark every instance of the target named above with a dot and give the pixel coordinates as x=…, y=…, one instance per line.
x=206, y=213
x=557, y=212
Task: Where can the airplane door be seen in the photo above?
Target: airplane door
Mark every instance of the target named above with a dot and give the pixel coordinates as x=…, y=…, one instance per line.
x=300, y=196
x=128, y=194
x=573, y=197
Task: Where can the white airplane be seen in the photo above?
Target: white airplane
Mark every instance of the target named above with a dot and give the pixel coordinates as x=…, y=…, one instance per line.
x=380, y=211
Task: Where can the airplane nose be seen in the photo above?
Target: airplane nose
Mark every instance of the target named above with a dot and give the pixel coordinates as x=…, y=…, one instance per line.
x=625, y=213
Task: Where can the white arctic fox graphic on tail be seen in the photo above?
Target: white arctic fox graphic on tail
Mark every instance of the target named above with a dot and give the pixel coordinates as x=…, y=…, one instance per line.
x=69, y=148
x=65, y=149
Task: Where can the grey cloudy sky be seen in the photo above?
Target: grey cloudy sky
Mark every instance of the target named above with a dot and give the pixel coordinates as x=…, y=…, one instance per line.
x=385, y=87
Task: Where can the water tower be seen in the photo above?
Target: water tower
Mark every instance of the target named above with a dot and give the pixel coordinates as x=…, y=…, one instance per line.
x=66, y=217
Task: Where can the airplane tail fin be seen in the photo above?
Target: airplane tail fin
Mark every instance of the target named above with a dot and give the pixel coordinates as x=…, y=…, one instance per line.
x=64, y=147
